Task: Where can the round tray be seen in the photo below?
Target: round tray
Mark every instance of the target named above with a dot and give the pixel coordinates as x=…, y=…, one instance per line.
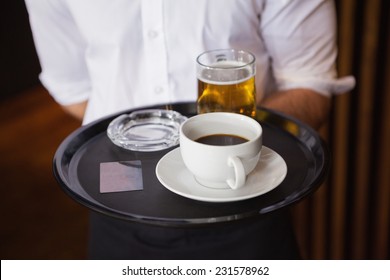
x=78, y=158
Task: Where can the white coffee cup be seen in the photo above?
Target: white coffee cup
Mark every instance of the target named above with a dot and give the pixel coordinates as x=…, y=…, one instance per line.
x=220, y=166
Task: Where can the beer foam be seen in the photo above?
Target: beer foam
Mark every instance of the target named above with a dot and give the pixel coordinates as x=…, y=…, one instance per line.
x=236, y=72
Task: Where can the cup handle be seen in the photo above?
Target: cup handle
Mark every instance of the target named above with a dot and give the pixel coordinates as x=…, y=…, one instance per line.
x=239, y=173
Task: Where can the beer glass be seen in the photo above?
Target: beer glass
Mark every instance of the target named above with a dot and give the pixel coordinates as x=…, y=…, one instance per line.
x=226, y=82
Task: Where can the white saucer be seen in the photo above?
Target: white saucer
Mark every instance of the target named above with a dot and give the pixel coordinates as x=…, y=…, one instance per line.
x=267, y=175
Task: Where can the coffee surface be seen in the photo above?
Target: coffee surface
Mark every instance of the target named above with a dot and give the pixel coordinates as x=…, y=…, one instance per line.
x=221, y=140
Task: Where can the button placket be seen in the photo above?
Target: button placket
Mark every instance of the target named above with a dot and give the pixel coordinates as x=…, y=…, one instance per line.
x=155, y=48
x=152, y=34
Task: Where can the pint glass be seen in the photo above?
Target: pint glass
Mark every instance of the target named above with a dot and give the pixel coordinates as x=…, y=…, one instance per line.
x=226, y=82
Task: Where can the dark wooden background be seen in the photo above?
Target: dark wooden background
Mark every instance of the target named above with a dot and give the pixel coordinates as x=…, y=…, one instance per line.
x=349, y=217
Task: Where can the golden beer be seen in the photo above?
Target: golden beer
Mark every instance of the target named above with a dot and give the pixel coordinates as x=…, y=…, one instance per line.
x=226, y=86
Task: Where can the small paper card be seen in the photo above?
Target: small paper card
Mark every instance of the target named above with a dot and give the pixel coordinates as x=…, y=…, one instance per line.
x=121, y=176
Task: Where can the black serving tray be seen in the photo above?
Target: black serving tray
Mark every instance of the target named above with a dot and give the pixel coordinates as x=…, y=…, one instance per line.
x=77, y=165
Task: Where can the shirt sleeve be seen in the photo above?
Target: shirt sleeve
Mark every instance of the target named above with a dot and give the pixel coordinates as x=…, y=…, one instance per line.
x=300, y=37
x=60, y=49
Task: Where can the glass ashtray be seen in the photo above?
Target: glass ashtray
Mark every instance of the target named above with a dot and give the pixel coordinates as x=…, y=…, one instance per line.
x=146, y=130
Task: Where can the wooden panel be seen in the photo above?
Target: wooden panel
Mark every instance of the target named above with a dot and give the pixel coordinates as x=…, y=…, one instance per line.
x=364, y=124
x=380, y=242
x=339, y=133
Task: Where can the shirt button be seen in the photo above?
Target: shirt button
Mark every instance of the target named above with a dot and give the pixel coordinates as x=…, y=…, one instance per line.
x=158, y=90
x=152, y=34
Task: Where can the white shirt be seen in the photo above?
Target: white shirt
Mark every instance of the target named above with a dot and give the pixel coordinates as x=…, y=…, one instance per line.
x=122, y=54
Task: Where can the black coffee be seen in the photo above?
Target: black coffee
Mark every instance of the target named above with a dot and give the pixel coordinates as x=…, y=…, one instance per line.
x=221, y=140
